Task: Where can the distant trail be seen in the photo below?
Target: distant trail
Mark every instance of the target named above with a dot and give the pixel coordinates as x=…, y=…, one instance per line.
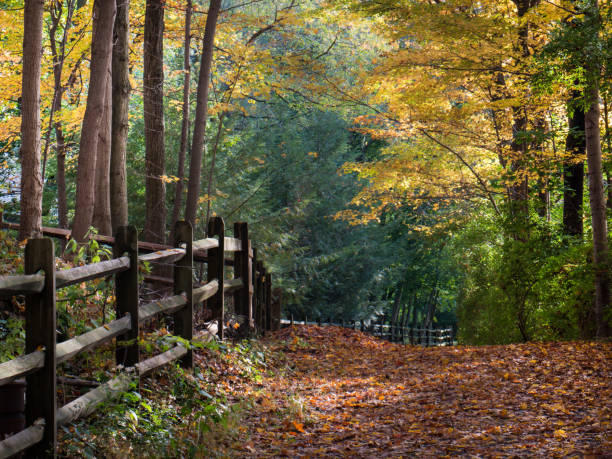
x=351, y=395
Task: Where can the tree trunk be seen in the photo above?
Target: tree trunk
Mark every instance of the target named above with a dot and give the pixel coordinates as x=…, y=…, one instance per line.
x=519, y=191
x=101, y=50
x=102, y=211
x=609, y=144
x=120, y=103
x=598, y=209
x=180, y=173
x=396, y=303
x=58, y=55
x=62, y=200
x=153, y=94
x=31, y=180
x=211, y=171
x=573, y=173
x=199, y=131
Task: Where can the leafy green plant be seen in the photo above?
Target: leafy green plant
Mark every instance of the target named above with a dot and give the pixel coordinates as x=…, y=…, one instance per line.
x=12, y=337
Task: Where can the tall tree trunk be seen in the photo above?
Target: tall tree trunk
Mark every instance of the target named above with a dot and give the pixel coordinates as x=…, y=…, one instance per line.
x=102, y=210
x=598, y=207
x=120, y=104
x=211, y=171
x=396, y=303
x=180, y=173
x=58, y=54
x=573, y=172
x=609, y=144
x=519, y=191
x=153, y=94
x=542, y=183
x=199, y=131
x=62, y=199
x=31, y=180
x=101, y=51
x=413, y=323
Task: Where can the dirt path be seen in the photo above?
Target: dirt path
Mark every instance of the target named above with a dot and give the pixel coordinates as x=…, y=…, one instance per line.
x=351, y=395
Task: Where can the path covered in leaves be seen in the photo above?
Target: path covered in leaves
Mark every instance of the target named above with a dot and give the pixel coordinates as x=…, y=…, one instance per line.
x=346, y=394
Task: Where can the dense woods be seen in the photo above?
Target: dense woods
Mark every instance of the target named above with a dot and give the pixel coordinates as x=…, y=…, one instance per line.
x=429, y=163
x=433, y=172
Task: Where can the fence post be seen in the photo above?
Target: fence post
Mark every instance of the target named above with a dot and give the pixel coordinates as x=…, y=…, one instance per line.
x=40, y=318
x=126, y=294
x=270, y=319
x=216, y=265
x=183, y=285
x=243, y=298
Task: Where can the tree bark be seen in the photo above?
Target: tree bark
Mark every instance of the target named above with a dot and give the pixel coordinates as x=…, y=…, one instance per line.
x=609, y=144
x=519, y=191
x=59, y=55
x=31, y=180
x=101, y=51
x=155, y=155
x=573, y=173
x=598, y=209
x=62, y=200
x=102, y=210
x=120, y=123
x=199, y=131
x=180, y=173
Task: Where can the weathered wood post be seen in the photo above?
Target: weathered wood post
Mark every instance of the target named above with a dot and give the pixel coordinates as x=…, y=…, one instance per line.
x=243, y=298
x=216, y=265
x=183, y=285
x=126, y=294
x=270, y=319
x=362, y=328
x=40, y=325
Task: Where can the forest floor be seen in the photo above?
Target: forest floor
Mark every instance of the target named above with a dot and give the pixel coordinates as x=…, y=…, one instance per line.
x=345, y=394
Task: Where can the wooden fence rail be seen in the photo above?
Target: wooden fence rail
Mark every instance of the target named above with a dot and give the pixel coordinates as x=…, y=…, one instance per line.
x=394, y=333
x=41, y=281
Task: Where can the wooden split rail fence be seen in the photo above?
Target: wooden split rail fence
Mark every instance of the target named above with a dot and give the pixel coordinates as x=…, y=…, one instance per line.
x=427, y=337
x=250, y=287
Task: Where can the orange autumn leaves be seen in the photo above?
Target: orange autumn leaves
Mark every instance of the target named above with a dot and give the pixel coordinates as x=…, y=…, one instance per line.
x=345, y=394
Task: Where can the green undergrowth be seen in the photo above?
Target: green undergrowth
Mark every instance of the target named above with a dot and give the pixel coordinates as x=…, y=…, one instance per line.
x=176, y=412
